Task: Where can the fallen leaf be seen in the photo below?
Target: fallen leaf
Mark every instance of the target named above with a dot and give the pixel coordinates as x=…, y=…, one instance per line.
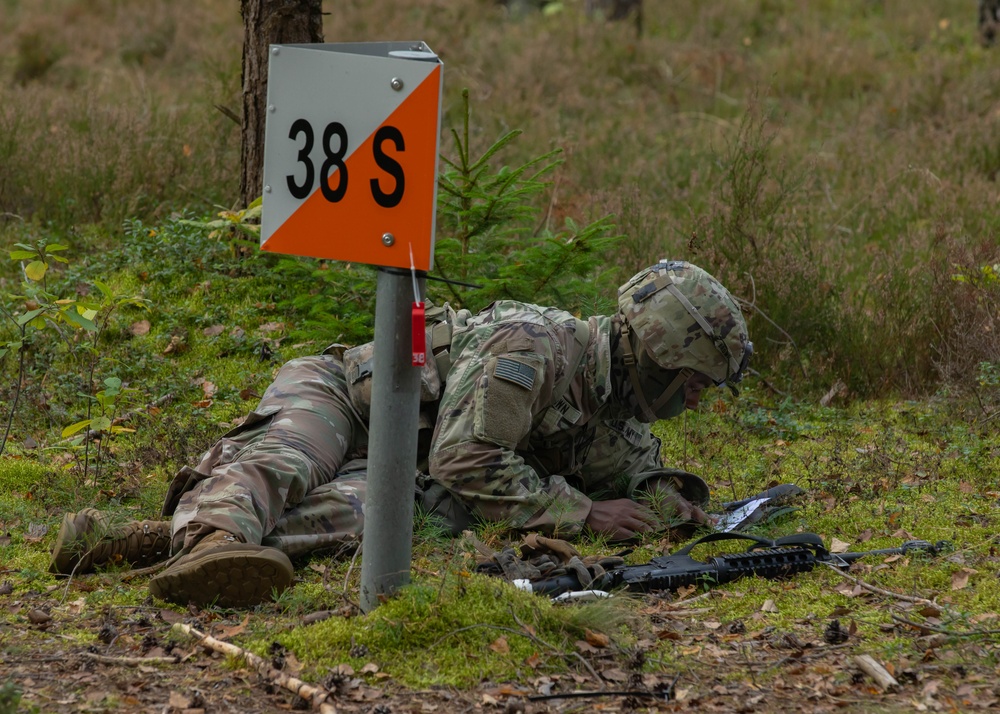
x=39, y=617
x=597, y=639
x=272, y=327
x=248, y=394
x=769, y=606
x=533, y=661
x=905, y=535
x=292, y=665
x=180, y=701
x=370, y=668
x=36, y=532
x=214, y=330
x=839, y=546
x=170, y=617
x=313, y=617
x=614, y=675
x=960, y=578
x=344, y=670
x=209, y=389
x=500, y=646
x=227, y=632
x=865, y=535
x=139, y=328
x=176, y=345
x=585, y=647
x=685, y=591
x=202, y=403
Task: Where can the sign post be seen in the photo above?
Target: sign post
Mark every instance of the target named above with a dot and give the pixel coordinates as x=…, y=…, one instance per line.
x=350, y=173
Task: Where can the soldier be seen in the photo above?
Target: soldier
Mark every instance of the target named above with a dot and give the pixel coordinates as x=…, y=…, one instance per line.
x=540, y=421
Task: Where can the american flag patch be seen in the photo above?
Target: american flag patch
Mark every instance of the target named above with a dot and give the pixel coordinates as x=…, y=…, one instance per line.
x=514, y=371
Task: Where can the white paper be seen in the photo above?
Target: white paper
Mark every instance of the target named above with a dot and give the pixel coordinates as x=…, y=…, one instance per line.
x=729, y=521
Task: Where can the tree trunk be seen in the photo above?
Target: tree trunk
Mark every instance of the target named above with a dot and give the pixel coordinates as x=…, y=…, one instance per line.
x=267, y=22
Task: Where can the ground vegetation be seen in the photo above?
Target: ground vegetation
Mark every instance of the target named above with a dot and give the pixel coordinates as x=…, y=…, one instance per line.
x=834, y=163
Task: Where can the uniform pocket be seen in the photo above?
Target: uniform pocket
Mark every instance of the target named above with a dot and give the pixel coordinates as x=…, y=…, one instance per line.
x=505, y=396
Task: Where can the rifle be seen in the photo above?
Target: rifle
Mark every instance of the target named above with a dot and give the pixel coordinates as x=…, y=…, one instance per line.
x=763, y=558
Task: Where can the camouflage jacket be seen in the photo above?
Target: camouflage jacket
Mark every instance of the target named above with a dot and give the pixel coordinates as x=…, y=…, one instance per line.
x=527, y=429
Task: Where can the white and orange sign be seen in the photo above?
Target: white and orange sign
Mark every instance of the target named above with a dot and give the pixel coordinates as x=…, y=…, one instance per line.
x=351, y=152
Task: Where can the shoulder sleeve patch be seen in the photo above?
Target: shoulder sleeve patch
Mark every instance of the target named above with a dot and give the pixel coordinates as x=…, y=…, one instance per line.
x=514, y=371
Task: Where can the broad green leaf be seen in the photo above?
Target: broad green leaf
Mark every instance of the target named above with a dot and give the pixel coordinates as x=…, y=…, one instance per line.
x=73, y=317
x=59, y=259
x=55, y=247
x=36, y=270
x=22, y=254
x=73, y=428
x=120, y=429
x=103, y=287
x=100, y=423
x=88, y=313
x=257, y=203
x=29, y=316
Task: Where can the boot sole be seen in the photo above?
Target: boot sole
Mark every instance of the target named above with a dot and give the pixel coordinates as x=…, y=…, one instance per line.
x=238, y=575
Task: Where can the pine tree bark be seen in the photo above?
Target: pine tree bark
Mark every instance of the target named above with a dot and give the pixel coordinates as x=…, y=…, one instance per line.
x=267, y=22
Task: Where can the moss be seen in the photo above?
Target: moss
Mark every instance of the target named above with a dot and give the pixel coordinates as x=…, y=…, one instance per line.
x=450, y=632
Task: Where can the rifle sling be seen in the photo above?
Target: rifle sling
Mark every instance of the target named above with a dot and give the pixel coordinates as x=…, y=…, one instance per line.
x=806, y=540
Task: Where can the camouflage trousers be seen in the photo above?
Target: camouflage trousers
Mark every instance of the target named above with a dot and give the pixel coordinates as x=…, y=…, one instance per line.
x=292, y=476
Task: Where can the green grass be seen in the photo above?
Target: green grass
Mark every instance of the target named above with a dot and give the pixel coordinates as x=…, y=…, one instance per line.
x=871, y=472
x=834, y=163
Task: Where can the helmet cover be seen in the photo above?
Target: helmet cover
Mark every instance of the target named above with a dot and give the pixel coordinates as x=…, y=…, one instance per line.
x=673, y=333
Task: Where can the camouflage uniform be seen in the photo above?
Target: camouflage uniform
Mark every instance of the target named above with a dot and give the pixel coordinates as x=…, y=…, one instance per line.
x=528, y=429
x=527, y=432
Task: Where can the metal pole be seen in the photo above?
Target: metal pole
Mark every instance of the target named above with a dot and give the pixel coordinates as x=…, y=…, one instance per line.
x=392, y=444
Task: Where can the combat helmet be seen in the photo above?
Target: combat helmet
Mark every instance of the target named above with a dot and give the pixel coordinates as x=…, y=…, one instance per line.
x=685, y=320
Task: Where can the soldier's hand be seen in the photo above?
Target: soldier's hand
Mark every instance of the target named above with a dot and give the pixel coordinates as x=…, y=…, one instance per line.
x=621, y=518
x=673, y=507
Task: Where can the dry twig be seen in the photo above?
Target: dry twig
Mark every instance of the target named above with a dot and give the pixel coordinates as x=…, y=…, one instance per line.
x=877, y=672
x=880, y=591
x=316, y=696
x=944, y=630
x=131, y=660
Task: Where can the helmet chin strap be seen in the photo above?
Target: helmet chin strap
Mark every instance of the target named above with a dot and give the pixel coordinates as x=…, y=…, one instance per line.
x=648, y=411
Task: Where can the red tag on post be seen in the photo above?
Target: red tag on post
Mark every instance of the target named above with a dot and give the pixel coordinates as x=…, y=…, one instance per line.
x=419, y=337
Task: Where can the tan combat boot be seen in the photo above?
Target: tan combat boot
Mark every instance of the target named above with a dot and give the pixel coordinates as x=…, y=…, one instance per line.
x=89, y=539
x=220, y=570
